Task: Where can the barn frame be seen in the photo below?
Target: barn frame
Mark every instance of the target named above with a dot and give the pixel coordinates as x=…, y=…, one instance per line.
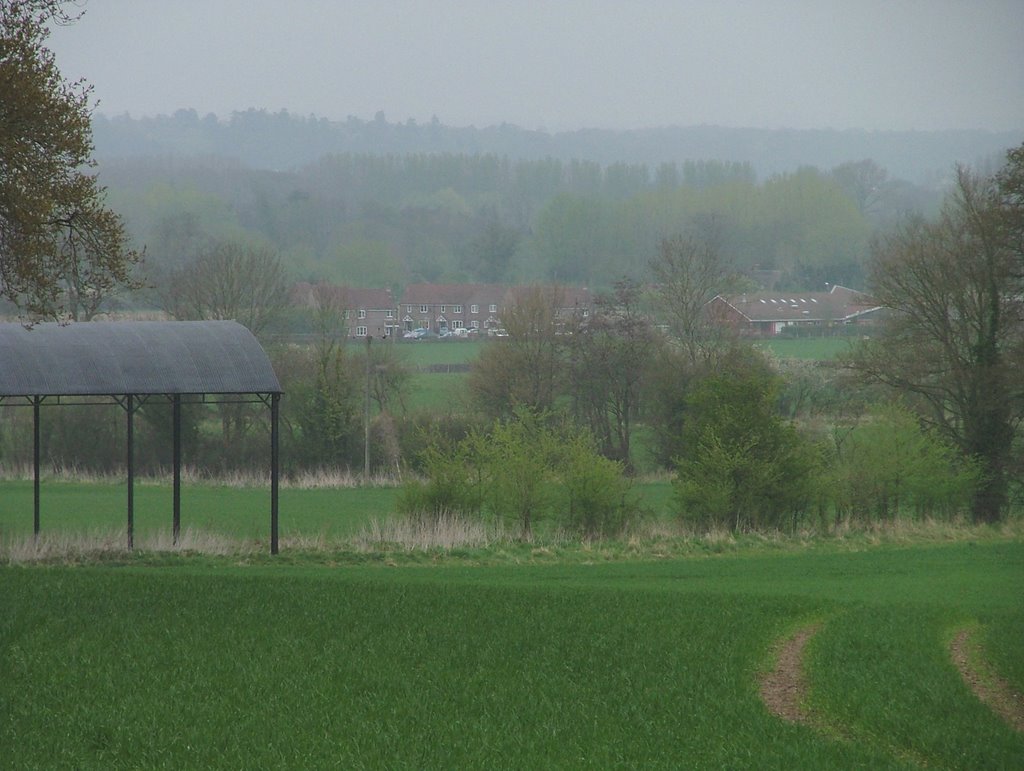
x=129, y=363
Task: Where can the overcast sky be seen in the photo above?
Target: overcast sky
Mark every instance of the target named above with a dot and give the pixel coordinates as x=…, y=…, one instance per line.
x=563, y=64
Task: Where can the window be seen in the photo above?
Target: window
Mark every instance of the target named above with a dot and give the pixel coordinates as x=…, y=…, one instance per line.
x=360, y=331
x=475, y=324
x=424, y=309
x=362, y=313
x=474, y=308
x=444, y=308
x=493, y=308
x=457, y=324
x=408, y=309
x=456, y=309
x=390, y=314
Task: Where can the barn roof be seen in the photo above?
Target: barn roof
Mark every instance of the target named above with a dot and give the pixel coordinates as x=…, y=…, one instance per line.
x=133, y=357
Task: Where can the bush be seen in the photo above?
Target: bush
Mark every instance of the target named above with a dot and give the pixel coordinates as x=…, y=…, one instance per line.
x=887, y=466
x=743, y=467
x=525, y=469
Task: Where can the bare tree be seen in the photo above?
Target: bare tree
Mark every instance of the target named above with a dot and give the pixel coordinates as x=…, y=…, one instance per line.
x=526, y=368
x=610, y=356
x=226, y=280
x=689, y=272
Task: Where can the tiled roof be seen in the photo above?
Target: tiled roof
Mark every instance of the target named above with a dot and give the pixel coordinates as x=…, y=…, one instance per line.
x=836, y=305
x=350, y=298
x=453, y=294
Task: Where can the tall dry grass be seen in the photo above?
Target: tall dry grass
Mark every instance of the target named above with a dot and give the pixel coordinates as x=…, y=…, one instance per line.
x=329, y=478
x=426, y=534
x=105, y=545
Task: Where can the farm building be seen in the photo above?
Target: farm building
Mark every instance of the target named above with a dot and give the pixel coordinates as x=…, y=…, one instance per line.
x=764, y=314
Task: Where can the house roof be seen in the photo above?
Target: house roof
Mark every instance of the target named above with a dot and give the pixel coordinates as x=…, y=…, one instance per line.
x=344, y=297
x=453, y=294
x=116, y=358
x=838, y=304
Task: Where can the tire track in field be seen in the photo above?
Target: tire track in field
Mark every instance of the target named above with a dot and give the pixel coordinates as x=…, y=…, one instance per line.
x=784, y=689
x=990, y=689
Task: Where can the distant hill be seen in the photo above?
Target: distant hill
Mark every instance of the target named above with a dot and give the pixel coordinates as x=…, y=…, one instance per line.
x=283, y=141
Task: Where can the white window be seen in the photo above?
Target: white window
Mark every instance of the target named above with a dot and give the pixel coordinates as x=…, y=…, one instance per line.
x=493, y=308
x=475, y=324
x=457, y=324
x=456, y=309
x=362, y=313
x=390, y=314
x=408, y=309
x=360, y=331
x=424, y=309
x=474, y=308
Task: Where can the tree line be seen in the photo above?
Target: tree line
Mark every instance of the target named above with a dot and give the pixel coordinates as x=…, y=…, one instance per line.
x=378, y=221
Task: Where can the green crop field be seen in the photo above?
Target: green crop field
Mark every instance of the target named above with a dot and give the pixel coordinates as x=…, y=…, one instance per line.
x=812, y=348
x=70, y=507
x=423, y=353
x=236, y=512
x=200, y=663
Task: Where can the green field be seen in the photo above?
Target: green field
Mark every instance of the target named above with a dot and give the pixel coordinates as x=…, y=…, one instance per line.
x=244, y=513
x=444, y=390
x=627, y=665
x=810, y=348
x=235, y=512
x=423, y=353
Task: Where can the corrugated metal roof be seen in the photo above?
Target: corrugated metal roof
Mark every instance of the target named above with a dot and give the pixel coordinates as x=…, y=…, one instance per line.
x=133, y=357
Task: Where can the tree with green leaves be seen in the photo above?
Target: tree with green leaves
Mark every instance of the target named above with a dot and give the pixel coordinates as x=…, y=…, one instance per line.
x=62, y=251
x=888, y=466
x=953, y=343
x=742, y=467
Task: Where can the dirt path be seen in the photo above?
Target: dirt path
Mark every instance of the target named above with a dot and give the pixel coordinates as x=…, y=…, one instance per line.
x=784, y=689
x=991, y=690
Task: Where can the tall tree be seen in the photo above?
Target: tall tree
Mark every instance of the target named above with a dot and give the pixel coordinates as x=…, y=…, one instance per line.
x=610, y=355
x=688, y=272
x=226, y=280
x=955, y=337
x=525, y=369
x=61, y=250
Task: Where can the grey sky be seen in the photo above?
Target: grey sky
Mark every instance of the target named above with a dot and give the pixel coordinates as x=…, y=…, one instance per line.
x=871, y=64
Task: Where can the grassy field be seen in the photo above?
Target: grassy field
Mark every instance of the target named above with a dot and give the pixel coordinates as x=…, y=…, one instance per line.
x=444, y=390
x=423, y=353
x=811, y=348
x=234, y=512
x=244, y=513
x=628, y=665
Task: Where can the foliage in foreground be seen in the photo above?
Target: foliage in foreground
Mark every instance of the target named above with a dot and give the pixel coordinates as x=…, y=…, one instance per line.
x=526, y=468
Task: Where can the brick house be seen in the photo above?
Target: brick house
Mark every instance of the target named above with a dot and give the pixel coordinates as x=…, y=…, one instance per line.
x=448, y=307
x=366, y=311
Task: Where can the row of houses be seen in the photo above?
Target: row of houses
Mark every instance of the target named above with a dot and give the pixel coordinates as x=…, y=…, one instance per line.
x=478, y=308
x=440, y=308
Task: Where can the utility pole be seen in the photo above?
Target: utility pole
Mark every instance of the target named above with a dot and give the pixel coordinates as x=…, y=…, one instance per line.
x=366, y=417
